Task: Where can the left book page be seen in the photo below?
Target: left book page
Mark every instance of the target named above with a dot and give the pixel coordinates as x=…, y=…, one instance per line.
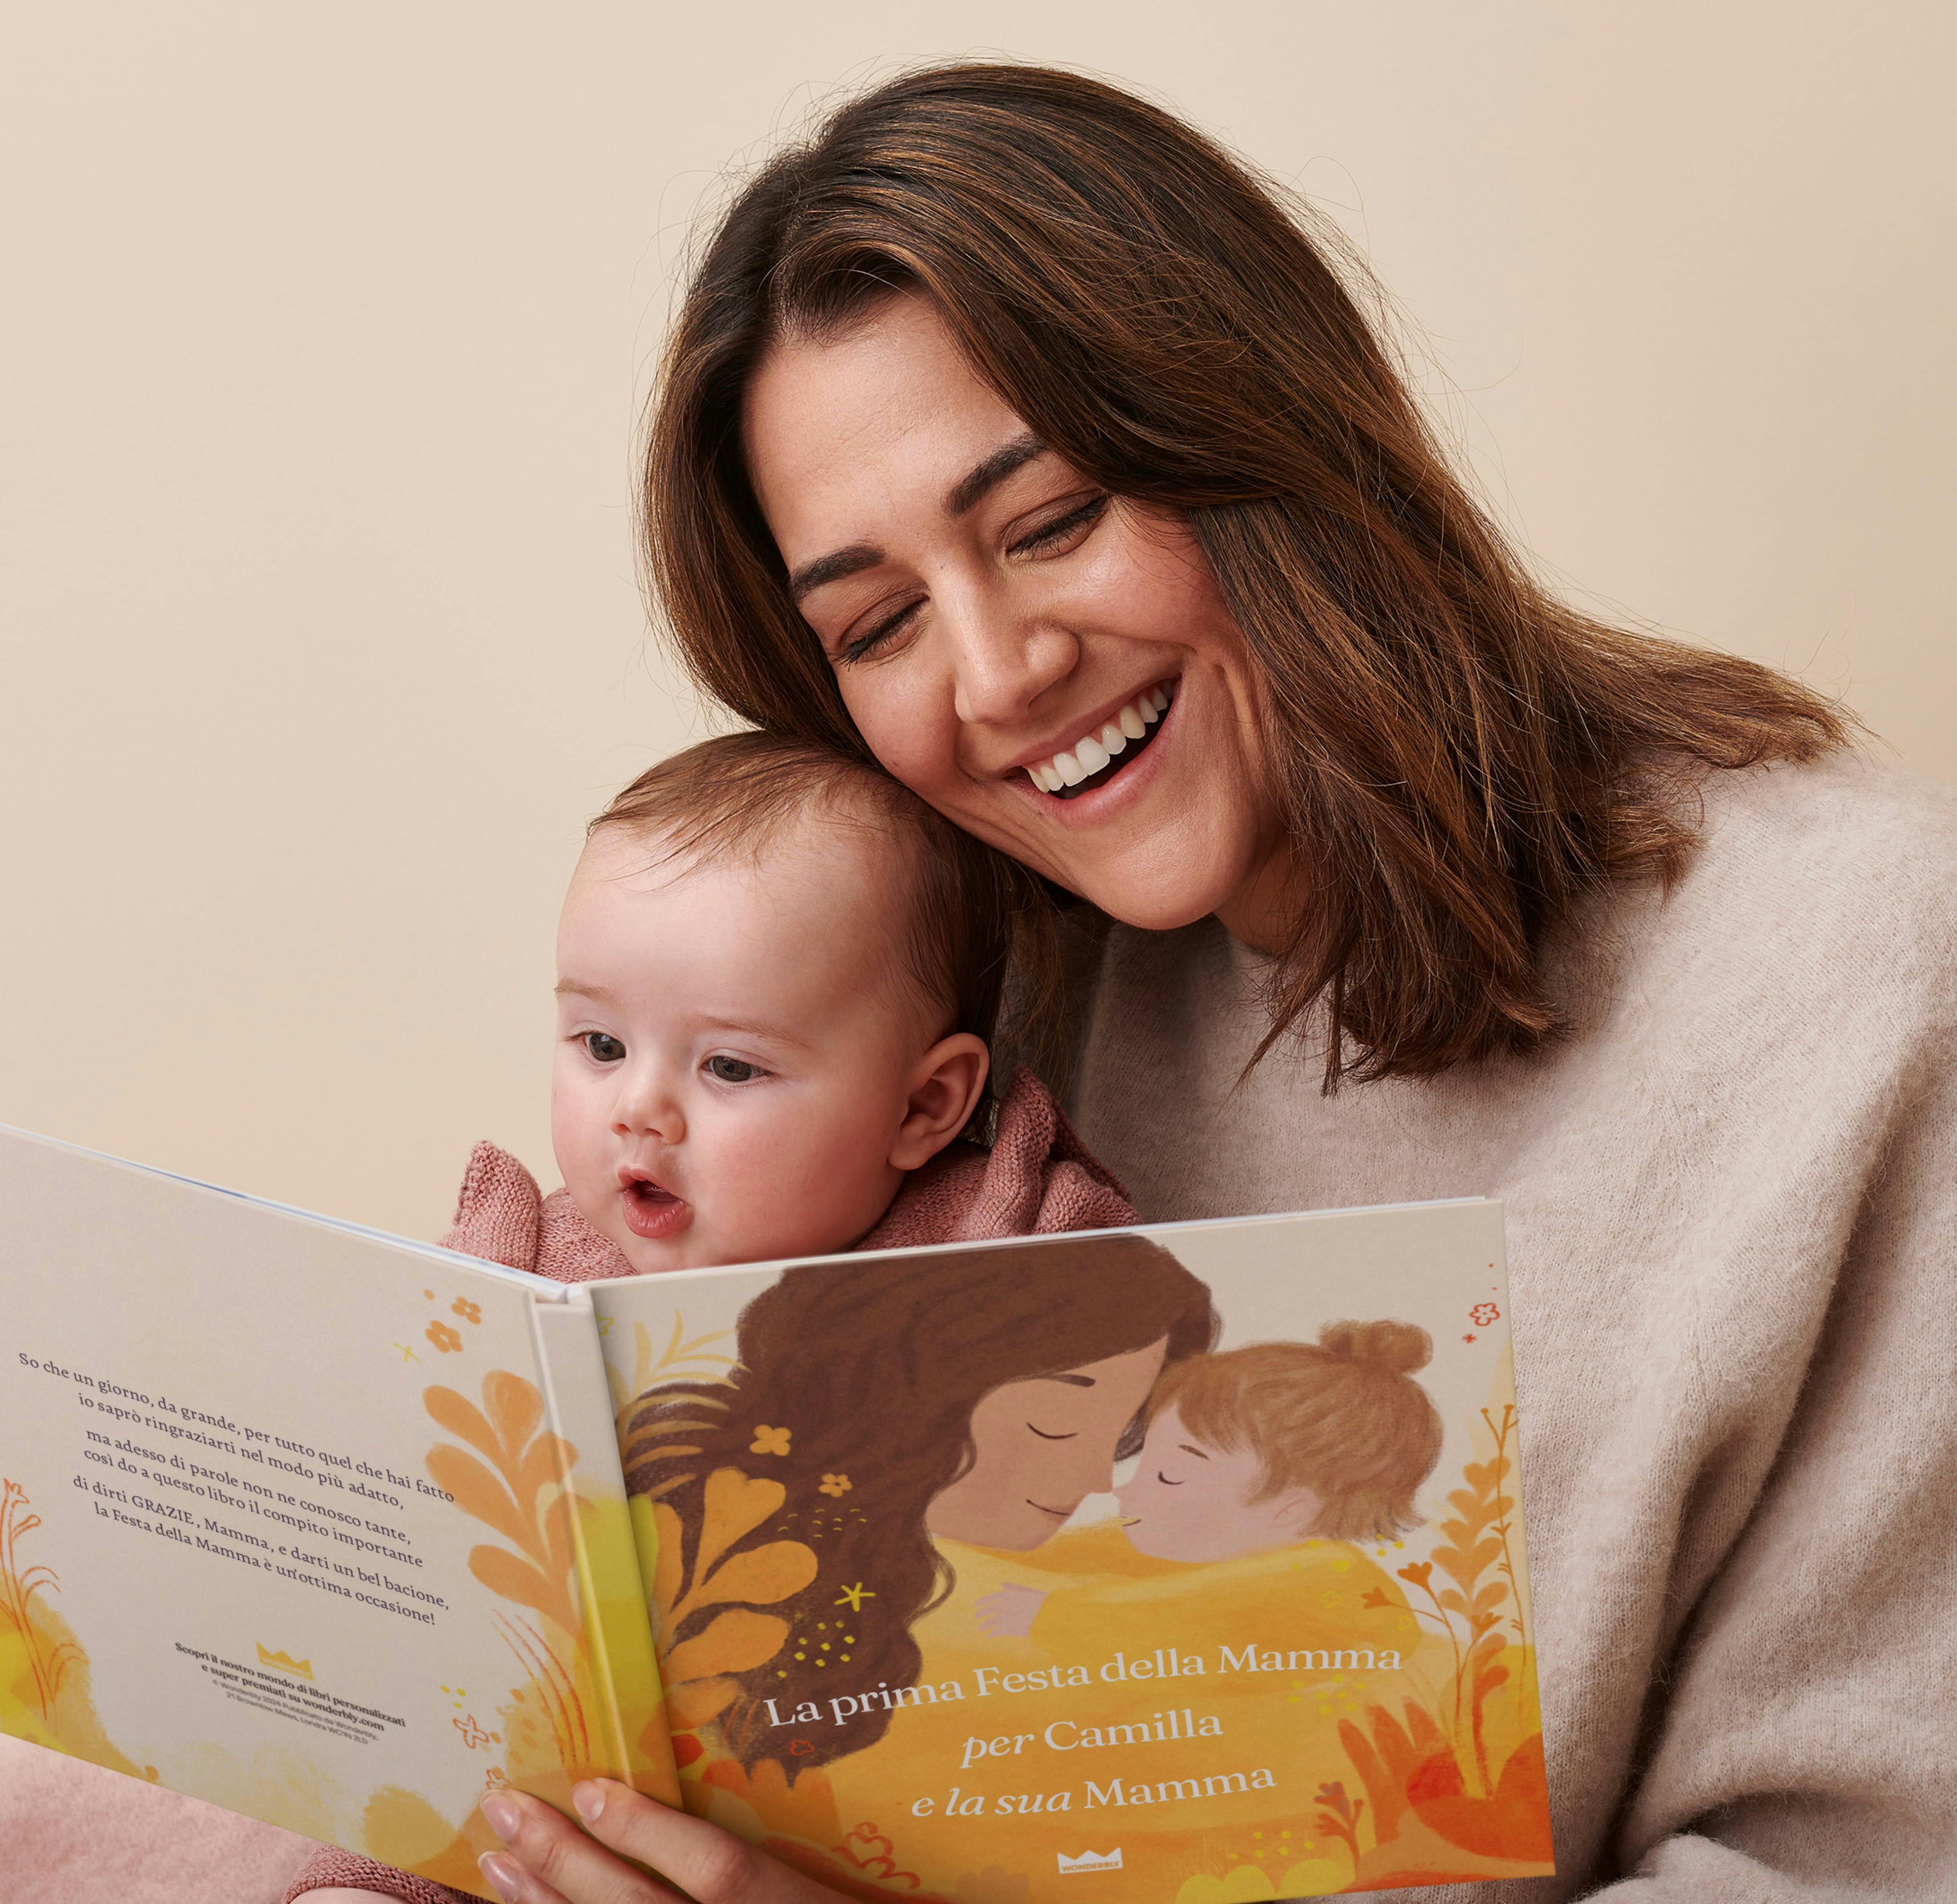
x=324, y=1527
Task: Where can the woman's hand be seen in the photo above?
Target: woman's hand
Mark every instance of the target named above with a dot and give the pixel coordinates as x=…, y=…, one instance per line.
x=549, y=1861
x=1010, y=1613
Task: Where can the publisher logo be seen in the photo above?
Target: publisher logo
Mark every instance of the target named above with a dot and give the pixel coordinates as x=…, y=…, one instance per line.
x=1092, y=1861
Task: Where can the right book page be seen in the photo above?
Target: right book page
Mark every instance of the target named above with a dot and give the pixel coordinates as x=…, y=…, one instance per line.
x=1184, y=1562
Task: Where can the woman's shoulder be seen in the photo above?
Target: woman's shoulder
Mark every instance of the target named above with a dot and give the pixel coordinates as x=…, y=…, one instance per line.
x=1848, y=819
x=1843, y=863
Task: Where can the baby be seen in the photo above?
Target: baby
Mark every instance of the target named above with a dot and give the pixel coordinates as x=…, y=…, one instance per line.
x=1247, y=1454
x=778, y=974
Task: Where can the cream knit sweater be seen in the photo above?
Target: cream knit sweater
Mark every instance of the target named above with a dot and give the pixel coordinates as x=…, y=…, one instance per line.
x=1732, y=1218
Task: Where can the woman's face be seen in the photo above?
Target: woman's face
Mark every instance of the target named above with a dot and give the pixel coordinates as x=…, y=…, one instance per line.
x=1040, y=1447
x=1007, y=635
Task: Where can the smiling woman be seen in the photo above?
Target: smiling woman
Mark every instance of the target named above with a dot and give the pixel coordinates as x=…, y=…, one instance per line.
x=1032, y=407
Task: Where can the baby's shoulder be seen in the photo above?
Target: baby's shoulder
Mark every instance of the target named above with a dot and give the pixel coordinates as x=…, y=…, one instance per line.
x=497, y=1210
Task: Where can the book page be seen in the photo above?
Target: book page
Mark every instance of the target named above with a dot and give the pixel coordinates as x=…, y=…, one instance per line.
x=286, y=1524
x=1106, y=1566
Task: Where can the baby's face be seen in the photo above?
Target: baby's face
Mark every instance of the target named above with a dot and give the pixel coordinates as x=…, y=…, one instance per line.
x=1188, y=1501
x=736, y=1048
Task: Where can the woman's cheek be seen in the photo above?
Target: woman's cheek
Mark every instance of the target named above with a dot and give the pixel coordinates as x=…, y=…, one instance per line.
x=910, y=722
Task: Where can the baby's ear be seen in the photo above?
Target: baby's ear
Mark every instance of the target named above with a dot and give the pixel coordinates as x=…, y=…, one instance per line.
x=1297, y=1511
x=945, y=1088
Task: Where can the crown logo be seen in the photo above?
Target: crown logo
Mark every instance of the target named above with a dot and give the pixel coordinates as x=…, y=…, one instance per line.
x=1092, y=1860
x=286, y=1663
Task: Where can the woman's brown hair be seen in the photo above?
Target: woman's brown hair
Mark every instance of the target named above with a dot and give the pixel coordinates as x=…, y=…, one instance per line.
x=870, y=1371
x=1460, y=757
x=1342, y=1416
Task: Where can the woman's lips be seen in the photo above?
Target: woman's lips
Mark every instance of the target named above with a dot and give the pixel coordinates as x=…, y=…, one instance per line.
x=1125, y=779
x=653, y=1212
x=1094, y=757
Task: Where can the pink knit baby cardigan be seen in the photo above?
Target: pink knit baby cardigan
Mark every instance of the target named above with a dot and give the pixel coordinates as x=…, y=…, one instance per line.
x=1037, y=1180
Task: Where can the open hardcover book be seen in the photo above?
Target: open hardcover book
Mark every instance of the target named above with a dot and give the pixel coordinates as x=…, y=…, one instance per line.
x=954, y=1574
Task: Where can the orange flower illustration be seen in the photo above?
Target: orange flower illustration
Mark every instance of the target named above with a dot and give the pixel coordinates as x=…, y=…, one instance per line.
x=769, y=1440
x=837, y=1485
x=444, y=1338
x=1484, y=1313
x=468, y=1310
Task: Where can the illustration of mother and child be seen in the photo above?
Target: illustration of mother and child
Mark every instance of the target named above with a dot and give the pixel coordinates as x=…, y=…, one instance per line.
x=925, y=1430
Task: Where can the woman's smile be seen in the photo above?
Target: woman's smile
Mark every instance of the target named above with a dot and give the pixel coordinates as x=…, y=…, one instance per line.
x=1106, y=748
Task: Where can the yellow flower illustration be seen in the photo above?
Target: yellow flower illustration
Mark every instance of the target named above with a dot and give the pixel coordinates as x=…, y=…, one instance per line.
x=444, y=1338
x=468, y=1310
x=837, y=1485
x=769, y=1440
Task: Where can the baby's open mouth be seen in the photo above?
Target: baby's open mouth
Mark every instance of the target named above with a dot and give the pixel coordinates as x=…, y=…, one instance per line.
x=1098, y=756
x=651, y=1210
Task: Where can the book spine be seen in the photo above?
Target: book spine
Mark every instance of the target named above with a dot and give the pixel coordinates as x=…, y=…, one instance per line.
x=617, y=1638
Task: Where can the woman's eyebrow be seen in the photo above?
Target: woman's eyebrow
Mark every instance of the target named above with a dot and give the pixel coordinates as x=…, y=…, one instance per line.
x=833, y=567
x=1079, y=1381
x=986, y=476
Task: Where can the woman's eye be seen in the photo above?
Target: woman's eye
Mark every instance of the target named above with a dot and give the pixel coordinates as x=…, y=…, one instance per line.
x=864, y=645
x=604, y=1047
x=731, y=1071
x=1063, y=532
x=1045, y=1437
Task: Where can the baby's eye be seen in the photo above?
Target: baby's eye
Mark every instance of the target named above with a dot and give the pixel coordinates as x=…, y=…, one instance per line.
x=604, y=1047
x=1165, y=1481
x=732, y=1070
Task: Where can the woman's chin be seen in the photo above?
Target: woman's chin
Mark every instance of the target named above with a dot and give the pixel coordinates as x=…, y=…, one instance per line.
x=1154, y=903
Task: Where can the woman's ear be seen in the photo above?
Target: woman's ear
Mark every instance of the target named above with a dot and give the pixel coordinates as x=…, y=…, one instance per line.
x=944, y=1092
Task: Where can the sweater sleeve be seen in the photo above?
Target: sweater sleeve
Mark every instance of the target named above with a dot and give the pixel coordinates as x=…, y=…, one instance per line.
x=1800, y=1746
x=330, y=1870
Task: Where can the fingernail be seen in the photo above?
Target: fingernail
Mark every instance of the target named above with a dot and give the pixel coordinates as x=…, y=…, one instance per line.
x=504, y=1872
x=505, y=1818
x=590, y=1800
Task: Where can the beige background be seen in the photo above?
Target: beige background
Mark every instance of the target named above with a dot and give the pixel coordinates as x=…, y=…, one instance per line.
x=326, y=328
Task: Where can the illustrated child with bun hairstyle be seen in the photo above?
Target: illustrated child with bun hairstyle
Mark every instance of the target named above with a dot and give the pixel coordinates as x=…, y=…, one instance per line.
x=1242, y=1617
x=779, y=972
x=1259, y=1466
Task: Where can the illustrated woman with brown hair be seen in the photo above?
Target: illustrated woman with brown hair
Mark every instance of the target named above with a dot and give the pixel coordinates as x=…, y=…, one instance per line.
x=1014, y=434
x=886, y=1409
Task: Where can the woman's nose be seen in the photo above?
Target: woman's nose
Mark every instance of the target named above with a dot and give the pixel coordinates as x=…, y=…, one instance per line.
x=1004, y=657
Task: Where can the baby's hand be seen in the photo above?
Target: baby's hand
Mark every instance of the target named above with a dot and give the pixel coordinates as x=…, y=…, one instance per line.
x=1010, y=1613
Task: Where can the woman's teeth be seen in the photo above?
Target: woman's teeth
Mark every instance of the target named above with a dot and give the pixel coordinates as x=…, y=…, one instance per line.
x=1092, y=752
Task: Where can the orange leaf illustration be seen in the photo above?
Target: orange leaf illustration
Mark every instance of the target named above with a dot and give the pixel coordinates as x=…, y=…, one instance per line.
x=478, y=1492
x=733, y=1642
x=698, y=1700
x=763, y=1573
x=733, y=1505
x=512, y=1578
x=666, y=1574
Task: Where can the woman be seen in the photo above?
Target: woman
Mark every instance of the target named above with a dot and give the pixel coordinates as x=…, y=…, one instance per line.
x=1014, y=434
